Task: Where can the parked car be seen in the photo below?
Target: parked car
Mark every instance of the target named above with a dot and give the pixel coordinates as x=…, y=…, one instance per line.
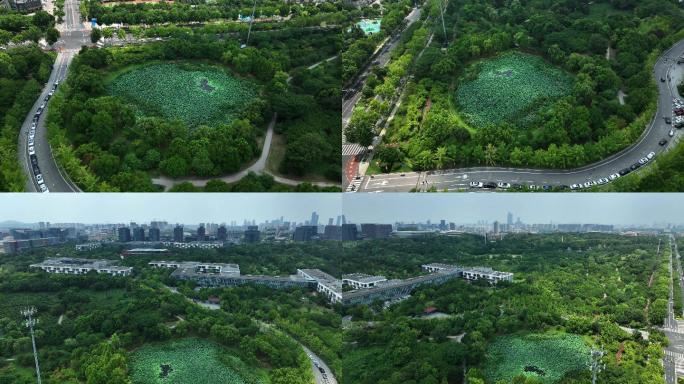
x=576, y=186
x=39, y=178
x=614, y=176
x=602, y=181
x=625, y=171
x=643, y=160
x=662, y=142
x=650, y=155
x=31, y=150
x=667, y=120
x=44, y=188
x=489, y=185
x=671, y=133
x=475, y=184
x=503, y=185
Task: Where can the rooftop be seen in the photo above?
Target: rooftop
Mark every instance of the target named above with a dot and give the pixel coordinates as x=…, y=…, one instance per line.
x=363, y=278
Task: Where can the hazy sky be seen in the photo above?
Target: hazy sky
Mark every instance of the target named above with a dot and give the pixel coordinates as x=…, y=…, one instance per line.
x=381, y=207
x=604, y=208
x=185, y=208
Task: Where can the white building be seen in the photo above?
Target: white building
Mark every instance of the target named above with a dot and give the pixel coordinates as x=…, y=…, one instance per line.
x=208, y=268
x=193, y=244
x=88, y=246
x=361, y=280
x=71, y=266
x=326, y=284
x=486, y=273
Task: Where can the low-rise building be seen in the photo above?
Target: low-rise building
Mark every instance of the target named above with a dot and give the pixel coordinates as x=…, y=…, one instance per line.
x=144, y=252
x=486, y=273
x=326, y=284
x=225, y=275
x=361, y=280
x=88, y=246
x=194, y=244
x=73, y=266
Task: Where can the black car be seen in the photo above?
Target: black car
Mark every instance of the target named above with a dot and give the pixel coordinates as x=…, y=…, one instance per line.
x=667, y=120
x=489, y=185
x=662, y=79
x=662, y=142
x=625, y=171
x=36, y=170
x=321, y=369
x=635, y=166
x=546, y=187
x=34, y=159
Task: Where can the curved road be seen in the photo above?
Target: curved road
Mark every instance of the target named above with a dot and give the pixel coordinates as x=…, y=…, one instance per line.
x=459, y=179
x=73, y=35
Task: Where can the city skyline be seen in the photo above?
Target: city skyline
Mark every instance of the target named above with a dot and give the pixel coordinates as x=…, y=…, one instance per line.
x=111, y=208
x=601, y=208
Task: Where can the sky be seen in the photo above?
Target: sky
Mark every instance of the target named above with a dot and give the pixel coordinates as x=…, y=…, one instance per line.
x=604, y=208
x=175, y=208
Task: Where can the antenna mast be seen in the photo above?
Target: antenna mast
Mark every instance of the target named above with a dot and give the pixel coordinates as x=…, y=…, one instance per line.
x=30, y=322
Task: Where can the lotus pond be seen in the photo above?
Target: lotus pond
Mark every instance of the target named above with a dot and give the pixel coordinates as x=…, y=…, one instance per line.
x=510, y=87
x=186, y=361
x=196, y=94
x=547, y=357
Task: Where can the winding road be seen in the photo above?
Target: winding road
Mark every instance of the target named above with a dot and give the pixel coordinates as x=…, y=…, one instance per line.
x=73, y=34
x=459, y=179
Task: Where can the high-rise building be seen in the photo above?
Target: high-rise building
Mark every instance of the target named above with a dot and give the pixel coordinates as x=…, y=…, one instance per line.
x=330, y=221
x=314, y=219
x=349, y=231
x=509, y=220
x=222, y=233
x=332, y=232
x=442, y=225
x=178, y=235
x=201, y=233
x=305, y=233
x=154, y=234
x=376, y=231
x=139, y=234
x=338, y=222
x=252, y=234
x=124, y=234
x=496, y=227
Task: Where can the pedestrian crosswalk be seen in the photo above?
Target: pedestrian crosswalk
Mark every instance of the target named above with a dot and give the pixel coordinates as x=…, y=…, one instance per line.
x=675, y=354
x=351, y=149
x=354, y=185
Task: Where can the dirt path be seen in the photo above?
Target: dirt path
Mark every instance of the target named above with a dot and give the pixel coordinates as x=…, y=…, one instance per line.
x=650, y=281
x=648, y=304
x=61, y=318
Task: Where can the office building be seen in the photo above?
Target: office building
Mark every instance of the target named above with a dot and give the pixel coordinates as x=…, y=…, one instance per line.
x=178, y=234
x=154, y=234
x=314, y=219
x=222, y=233
x=144, y=252
x=201, y=233
x=138, y=234
x=361, y=280
x=349, y=231
x=124, y=234
x=376, y=231
x=305, y=233
x=326, y=284
x=88, y=246
x=252, y=234
x=73, y=266
x=332, y=232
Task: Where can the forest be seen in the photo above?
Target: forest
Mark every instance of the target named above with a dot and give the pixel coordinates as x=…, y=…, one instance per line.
x=18, y=28
x=585, y=285
x=106, y=144
x=23, y=71
x=606, y=46
x=91, y=326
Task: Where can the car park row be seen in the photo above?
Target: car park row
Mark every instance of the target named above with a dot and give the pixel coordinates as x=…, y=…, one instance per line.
x=38, y=176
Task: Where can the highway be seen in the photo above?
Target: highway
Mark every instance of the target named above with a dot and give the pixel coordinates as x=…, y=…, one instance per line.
x=73, y=35
x=459, y=179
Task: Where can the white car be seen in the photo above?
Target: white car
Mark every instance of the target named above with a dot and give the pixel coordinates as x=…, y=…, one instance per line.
x=32, y=135
x=650, y=155
x=503, y=185
x=476, y=184
x=588, y=184
x=532, y=186
x=643, y=160
x=31, y=150
x=30, y=142
x=614, y=176
x=44, y=188
x=602, y=181
x=576, y=186
x=39, y=178
x=671, y=133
